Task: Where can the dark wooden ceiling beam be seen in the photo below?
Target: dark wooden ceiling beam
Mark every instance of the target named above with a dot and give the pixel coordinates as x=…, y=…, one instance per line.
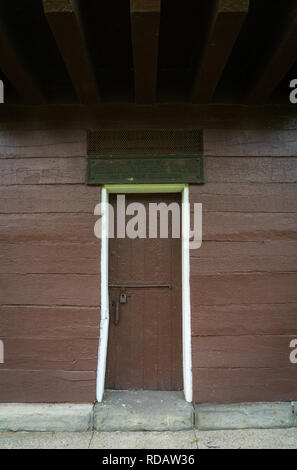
x=145, y=21
x=66, y=24
x=272, y=70
x=14, y=65
x=228, y=17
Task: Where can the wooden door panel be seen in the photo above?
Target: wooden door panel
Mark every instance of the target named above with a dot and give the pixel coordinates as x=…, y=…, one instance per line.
x=145, y=347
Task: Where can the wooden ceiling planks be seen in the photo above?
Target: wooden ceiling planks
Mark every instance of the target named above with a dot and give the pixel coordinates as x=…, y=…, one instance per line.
x=145, y=23
x=278, y=62
x=211, y=51
x=227, y=19
x=64, y=18
x=14, y=65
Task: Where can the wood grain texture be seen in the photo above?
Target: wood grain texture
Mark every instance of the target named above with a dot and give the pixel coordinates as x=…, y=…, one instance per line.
x=245, y=197
x=73, y=170
x=49, y=322
x=265, y=170
x=145, y=22
x=47, y=386
x=211, y=258
x=249, y=226
x=243, y=288
x=48, y=228
x=24, y=199
x=50, y=289
x=56, y=340
x=51, y=353
x=251, y=170
x=49, y=143
x=251, y=143
x=217, y=226
x=241, y=351
x=238, y=319
x=239, y=257
x=68, y=258
x=237, y=385
x=243, y=279
x=43, y=171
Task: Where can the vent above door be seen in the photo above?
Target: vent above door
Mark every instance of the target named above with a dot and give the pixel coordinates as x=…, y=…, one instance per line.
x=145, y=156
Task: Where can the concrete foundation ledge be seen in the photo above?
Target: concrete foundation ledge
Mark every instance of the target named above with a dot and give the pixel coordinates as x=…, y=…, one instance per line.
x=46, y=417
x=143, y=411
x=246, y=415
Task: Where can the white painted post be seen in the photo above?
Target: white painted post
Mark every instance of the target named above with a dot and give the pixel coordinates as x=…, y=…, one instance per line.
x=186, y=303
x=104, y=313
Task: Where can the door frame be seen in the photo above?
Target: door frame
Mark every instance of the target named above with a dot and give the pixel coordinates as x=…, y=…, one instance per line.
x=186, y=304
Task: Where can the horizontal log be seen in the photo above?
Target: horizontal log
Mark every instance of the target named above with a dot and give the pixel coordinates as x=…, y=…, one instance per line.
x=73, y=170
x=43, y=143
x=219, y=142
x=211, y=258
x=244, y=385
x=164, y=116
x=77, y=258
x=237, y=197
x=49, y=322
x=248, y=197
x=232, y=257
x=43, y=171
x=47, y=386
x=252, y=319
x=48, y=198
x=236, y=226
x=70, y=228
x=241, y=351
x=50, y=289
x=230, y=197
x=67, y=228
x=253, y=170
x=243, y=288
x=57, y=354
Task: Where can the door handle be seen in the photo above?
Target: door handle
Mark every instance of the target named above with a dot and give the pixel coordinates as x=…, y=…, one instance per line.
x=116, y=312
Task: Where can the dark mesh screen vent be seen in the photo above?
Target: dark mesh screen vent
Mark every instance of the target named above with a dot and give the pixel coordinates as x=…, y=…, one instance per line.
x=145, y=142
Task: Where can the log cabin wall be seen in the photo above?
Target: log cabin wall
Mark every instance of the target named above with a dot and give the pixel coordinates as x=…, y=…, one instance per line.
x=50, y=265
x=243, y=278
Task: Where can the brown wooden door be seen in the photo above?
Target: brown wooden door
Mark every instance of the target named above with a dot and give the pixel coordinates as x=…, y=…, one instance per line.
x=145, y=347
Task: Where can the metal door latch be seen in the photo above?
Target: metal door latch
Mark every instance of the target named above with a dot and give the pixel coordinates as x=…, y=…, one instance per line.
x=123, y=298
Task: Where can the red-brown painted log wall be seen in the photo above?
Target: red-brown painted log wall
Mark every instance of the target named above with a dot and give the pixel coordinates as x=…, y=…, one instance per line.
x=49, y=268
x=243, y=278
